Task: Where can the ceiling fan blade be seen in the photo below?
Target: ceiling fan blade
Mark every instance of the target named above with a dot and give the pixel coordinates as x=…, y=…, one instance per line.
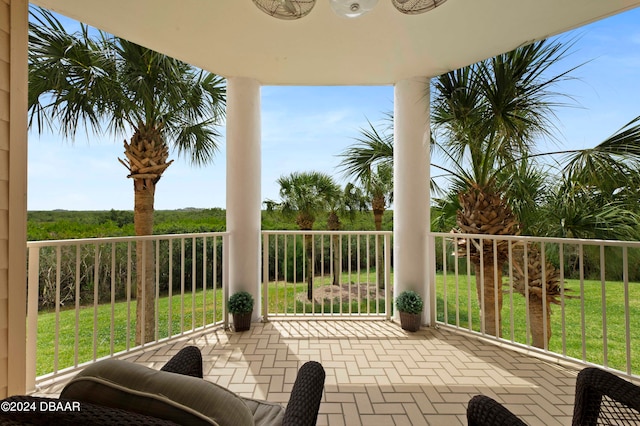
x=289, y=6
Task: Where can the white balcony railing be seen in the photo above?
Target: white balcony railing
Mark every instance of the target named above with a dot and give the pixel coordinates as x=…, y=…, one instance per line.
x=330, y=274
x=595, y=316
x=81, y=296
x=82, y=307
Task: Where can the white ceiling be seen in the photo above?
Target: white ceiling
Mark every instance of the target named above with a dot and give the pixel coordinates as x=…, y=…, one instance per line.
x=234, y=38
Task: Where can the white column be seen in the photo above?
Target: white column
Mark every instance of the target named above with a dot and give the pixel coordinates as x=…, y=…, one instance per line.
x=14, y=16
x=411, y=213
x=243, y=186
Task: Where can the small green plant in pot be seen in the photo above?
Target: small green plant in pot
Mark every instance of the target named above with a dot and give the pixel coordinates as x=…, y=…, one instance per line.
x=240, y=305
x=409, y=304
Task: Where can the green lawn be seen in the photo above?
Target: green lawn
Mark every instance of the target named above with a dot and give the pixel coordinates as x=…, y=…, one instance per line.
x=290, y=298
x=122, y=313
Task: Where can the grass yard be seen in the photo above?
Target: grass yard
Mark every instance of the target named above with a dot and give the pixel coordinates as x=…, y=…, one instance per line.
x=352, y=299
x=90, y=319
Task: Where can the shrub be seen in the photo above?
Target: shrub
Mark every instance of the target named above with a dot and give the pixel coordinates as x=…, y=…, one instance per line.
x=240, y=302
x=409, y=301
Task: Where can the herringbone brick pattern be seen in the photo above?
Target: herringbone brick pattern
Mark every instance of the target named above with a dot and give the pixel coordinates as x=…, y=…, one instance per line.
x=378, y=374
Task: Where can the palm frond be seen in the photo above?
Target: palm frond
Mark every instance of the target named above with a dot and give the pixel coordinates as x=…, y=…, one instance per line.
x=372, y=147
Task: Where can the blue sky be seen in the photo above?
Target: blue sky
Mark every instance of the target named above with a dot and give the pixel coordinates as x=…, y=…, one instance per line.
x=306, y=128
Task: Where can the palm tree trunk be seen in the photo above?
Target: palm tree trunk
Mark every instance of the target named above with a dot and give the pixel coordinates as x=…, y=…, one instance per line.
x=144, y=194
x=536, y=321
x=146, y=159
x=335, y=240
x=491, y=292
x=533, y=290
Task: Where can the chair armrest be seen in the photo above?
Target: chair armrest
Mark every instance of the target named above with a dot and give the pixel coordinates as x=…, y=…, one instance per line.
x=187, y=362
x=304, y=402
x=603, y=395
x=485, y=411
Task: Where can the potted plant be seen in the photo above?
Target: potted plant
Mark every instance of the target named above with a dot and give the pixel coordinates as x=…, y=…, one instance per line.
x=409, y=304
x=241, y=307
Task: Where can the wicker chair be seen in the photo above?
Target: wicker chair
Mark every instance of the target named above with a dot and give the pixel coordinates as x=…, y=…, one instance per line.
x=602, y=398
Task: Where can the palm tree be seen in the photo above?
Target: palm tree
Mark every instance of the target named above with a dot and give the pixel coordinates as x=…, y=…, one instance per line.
x=93, y=79
x=370, y=161
x=490, y=113
x=304, y=195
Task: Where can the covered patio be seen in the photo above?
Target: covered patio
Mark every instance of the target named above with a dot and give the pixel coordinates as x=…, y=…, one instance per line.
x=378, y=374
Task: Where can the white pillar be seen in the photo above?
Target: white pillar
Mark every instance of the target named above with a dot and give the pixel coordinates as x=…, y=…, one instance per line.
x=243, y=186
x=411, y=213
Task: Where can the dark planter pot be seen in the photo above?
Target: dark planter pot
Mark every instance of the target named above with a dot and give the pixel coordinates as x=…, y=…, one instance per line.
x=410, y=322
x=242, y=321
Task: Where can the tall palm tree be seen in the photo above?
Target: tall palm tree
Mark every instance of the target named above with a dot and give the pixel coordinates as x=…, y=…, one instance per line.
x=93, y=79
x=304, y=195
x=370, y=161
x=490, y=113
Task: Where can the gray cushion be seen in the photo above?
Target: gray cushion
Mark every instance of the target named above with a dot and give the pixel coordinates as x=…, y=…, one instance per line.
x=265, y=413
x=181, y=399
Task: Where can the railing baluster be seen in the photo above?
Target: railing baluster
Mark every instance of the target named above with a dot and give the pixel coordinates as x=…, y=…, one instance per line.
x=193, y=283
x=483, y=325
x=456, y=271
x=128, y=325
x=387, y=276
x=76, y=348
x=156, y=303
x=276, y=268
x=295, y=270
x=511, y=308
x=627, y=319
x=182, y=284
x=445, y=298
x=265, y=275
x=469, y=292
x=57, y=309
x=496, y=288
x=562, y=299
x=170, y=265
x=527, y=306
x=142, y=264
x=215, y=280
x=204, y=281
x=544, y=296
x=603, y=296
x=96, y=295
x=583, y=327
x=112, y=324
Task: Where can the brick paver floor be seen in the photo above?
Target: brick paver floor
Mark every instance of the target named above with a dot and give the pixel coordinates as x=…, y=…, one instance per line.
x=378, y=374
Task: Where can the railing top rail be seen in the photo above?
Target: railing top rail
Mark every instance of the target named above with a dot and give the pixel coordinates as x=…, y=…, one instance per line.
x=517, y=238
x=298, y=232
x=48, y=243
x=44, y=243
